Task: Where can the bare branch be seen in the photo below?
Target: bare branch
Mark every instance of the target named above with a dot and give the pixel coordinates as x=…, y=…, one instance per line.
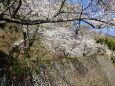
x=59, y=11
x=34, y=22
x=18, y=7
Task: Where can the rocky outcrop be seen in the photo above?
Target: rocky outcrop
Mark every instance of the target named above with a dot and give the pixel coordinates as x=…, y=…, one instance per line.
x=82, y=71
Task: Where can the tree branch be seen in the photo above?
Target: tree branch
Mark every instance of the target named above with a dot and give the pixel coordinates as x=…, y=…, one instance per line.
x=59, y=11
x=16, y=10
x=35, y=22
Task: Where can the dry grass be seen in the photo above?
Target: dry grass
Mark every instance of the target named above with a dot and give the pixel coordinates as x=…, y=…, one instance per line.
x=9, y=35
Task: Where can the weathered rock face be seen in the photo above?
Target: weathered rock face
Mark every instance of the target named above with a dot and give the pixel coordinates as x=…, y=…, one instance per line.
x=87, y=71
x=83, y=71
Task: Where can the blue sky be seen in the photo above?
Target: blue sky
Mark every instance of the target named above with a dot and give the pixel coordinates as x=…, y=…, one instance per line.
x=110, y=31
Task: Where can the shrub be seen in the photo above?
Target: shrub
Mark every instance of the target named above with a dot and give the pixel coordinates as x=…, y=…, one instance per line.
x=113, y=59
x=108, y=42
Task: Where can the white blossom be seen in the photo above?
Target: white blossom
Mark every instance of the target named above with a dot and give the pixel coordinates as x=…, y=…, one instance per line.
x=59, y=38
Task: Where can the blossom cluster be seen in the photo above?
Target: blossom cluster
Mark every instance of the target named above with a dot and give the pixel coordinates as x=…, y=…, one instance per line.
x=62, y=39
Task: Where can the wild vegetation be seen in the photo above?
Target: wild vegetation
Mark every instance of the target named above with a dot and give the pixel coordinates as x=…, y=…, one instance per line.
x=110, y=43
x=36, y=30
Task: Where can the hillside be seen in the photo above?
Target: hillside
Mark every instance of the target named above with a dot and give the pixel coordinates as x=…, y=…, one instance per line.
x=49, y=43
x=96, y=69
x=83, y=71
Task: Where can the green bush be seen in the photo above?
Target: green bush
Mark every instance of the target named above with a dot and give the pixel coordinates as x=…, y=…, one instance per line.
x=16, y=68
x=113, y=59
x=10, y=64
x=108, y=42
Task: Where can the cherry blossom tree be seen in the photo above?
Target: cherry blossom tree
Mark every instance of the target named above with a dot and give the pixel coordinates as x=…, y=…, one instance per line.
x=58, y=16
x=44, y=11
